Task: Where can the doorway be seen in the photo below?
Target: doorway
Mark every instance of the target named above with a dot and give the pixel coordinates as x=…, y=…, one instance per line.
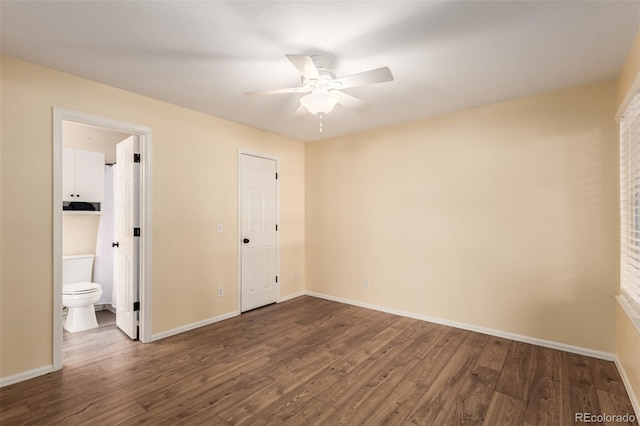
x=141, y=136
x=259, y=249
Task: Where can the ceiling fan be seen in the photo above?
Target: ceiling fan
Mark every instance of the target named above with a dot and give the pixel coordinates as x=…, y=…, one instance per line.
x=324, y=88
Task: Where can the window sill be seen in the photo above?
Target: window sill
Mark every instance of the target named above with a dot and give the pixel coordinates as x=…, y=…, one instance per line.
x=631, y=312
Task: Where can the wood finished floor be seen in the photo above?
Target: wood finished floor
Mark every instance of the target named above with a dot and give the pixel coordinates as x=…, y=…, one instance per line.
x=312, y=361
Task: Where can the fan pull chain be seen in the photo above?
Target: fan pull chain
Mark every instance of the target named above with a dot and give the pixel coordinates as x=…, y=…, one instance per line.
x=321, y=117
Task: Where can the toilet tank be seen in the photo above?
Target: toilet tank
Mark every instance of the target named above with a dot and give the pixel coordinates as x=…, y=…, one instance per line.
x=77, y=269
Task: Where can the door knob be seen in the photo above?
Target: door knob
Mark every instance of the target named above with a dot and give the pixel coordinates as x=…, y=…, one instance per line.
x=246, y=241
x=115, y=244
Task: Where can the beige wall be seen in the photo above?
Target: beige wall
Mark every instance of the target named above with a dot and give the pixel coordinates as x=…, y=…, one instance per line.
x=194, y=187
x=79, y=233
x=502, y=216
x=630, y=71
x=628, y=335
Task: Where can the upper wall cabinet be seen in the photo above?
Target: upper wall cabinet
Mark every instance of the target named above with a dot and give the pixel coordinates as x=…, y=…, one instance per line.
x=82, y=176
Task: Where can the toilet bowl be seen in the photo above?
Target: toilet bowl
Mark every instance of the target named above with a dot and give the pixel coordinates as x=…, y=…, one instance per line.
x=79, y=294
x=79, y=298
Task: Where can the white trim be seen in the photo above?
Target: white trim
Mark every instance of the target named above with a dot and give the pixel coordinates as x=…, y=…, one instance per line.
x=242, y=152
x=628, y=387
x=25, y=375
x=58, y=117
x=193, y=326
x=291, y=296
x=145, y=135
x=492, y=332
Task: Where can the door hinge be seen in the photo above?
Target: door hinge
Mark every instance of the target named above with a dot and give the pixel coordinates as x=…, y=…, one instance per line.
x=276, y=176
x=276, y=227
x=136, y=158
x=276, y=278
x=136, y=232
x=136, y=306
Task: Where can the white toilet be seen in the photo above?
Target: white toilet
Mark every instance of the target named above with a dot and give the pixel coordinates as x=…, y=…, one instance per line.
x=79, y=294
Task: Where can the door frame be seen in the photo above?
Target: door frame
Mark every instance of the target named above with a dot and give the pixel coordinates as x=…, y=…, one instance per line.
x=144, y=134
x=242, y=152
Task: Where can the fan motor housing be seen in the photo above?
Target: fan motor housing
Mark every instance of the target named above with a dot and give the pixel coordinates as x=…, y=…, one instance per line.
x=327, y=77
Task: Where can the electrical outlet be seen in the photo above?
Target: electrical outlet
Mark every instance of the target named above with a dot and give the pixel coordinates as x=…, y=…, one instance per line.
x=220, y=291
x=219, y=227
x=295, y=275
x=366, y=283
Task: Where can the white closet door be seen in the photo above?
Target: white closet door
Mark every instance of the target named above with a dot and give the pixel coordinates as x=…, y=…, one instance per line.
x=258, y=245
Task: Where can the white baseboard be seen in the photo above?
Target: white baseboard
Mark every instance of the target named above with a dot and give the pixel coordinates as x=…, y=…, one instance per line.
x=627, y=385
x=25, y=375
x=192, y=326
x=104, y=307
x=492, y=332
x=222, y=317
x=291, y=296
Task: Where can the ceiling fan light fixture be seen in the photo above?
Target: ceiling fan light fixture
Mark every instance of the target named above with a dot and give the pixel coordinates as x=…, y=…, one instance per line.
x=320, y=102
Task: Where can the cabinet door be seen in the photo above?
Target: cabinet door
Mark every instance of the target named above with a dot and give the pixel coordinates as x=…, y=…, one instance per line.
x=89, y=176
x=68, y=174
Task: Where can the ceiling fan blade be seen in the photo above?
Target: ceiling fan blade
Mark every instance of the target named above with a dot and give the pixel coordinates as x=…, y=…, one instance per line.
x=352, y=102
x=301, y=112
x=379, y=75
x=276, y=91
x=305, y=65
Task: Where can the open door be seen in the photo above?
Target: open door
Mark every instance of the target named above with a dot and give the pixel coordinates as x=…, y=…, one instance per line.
x=126, y=230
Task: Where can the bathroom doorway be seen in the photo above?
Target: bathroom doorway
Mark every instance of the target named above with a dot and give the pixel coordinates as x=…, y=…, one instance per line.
x=120, y=267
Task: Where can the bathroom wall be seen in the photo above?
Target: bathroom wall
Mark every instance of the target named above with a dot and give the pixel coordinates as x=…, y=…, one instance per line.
x=90, y=138
x=79, y=231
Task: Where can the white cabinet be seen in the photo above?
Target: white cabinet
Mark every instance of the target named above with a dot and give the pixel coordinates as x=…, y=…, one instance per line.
x=82, y=176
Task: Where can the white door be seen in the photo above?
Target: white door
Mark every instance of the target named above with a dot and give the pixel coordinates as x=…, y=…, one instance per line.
x=125, y=257
x=258, y=236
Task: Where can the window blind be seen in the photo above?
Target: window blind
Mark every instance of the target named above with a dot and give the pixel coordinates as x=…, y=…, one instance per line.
x=630, y=204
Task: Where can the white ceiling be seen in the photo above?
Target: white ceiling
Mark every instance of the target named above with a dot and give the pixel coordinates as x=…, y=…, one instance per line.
x=445, y=55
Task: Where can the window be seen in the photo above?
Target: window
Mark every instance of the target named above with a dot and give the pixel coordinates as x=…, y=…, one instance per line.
x=630, y=205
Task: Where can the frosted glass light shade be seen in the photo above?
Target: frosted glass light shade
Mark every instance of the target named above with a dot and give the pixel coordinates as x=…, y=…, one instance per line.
x=320, y=102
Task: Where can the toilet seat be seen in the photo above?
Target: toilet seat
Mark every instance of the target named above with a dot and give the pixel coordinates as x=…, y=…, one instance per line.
x=77, y=289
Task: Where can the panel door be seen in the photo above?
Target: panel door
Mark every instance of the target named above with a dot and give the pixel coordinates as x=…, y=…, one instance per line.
x=258, y=236
x=125, y=274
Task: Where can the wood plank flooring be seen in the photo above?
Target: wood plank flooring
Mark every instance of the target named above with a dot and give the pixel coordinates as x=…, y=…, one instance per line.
x=312, y=361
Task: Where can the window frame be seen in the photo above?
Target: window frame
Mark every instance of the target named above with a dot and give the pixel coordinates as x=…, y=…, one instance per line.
x=629, y=172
